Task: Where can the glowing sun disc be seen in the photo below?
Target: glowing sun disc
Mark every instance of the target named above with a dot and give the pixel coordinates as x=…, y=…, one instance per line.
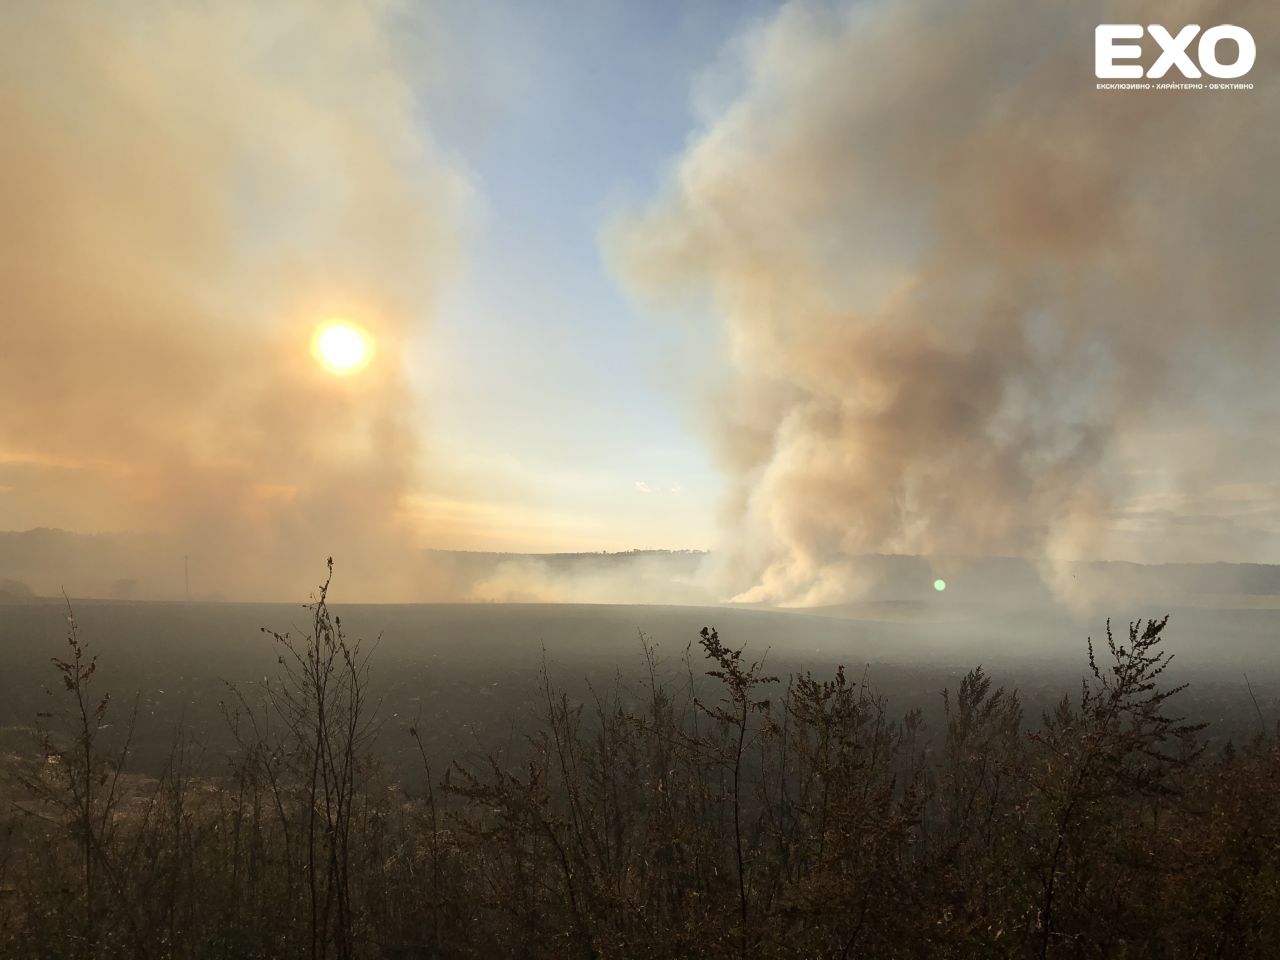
x=341, y=348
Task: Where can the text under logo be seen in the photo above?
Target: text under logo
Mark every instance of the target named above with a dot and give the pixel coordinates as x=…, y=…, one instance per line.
x=1117, y=58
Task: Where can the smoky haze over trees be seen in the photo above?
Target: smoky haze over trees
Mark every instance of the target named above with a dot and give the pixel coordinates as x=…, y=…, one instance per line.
x=123, y=567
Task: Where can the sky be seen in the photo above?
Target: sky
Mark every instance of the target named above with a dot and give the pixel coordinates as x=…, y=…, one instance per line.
x=560, y=413
x=795, y=282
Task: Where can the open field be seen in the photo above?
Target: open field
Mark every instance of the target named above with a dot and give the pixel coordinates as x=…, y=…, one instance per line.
x=611, y=797
x=470, y=672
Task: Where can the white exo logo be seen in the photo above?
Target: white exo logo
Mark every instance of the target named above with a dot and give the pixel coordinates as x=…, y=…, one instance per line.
x=1173, y=51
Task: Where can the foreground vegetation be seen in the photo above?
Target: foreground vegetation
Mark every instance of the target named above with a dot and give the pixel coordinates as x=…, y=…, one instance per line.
x=715, y=812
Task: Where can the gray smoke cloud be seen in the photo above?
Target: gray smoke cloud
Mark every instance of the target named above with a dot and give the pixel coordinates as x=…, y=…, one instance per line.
x=187, y=190
x=968, y=304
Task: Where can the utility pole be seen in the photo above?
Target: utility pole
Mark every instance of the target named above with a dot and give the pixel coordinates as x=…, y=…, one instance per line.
x=186, y=576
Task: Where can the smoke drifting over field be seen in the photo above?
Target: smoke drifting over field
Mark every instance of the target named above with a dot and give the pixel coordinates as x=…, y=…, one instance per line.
x=969, y=304
x=187, y=191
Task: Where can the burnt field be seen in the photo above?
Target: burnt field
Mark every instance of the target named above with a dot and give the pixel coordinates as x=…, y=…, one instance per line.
x=624, y=781
x=470, y=675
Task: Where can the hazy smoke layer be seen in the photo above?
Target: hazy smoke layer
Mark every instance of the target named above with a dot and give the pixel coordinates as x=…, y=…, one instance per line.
x=960, y=287
x=187, y=189
x=636, y=577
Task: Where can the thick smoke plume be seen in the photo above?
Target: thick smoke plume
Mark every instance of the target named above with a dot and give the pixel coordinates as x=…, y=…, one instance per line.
x=187, y=190
x=970, y=304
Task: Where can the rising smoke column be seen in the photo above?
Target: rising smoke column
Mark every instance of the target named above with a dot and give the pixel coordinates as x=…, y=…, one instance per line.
x=187, y=188
x=956, y=285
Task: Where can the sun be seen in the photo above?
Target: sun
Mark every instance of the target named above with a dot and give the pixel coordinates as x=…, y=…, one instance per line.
x=341, y=347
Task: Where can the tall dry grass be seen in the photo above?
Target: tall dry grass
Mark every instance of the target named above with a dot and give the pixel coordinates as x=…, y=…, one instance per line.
x=711, y=811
